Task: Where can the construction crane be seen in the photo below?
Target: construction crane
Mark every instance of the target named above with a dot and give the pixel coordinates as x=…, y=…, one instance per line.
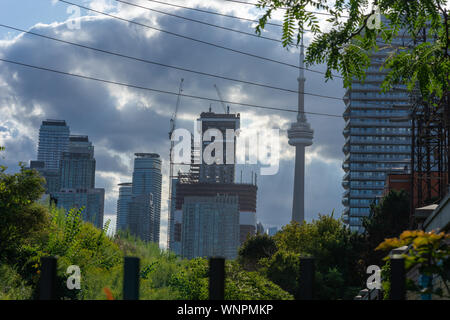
x=174, y=115
x=171, y=176
x=225, y=109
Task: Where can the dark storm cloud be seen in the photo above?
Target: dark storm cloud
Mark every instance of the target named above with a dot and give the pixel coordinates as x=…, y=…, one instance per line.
x=123, y=121
x=109, y=162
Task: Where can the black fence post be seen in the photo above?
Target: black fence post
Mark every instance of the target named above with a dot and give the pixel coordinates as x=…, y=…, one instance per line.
x=131, y=275
x=47, y=280
x=398, y=279
x=306, y=279
x=216, y=278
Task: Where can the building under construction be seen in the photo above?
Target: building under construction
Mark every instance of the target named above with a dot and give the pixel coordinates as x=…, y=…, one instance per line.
x=430, y=156
x=213, y=181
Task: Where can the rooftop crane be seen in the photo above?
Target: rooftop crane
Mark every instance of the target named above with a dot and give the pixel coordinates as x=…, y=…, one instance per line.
x=174, y=115
x=171, y=176
x=225, y=109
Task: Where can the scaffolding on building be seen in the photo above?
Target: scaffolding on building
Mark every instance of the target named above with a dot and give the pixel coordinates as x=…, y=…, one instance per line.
x=429, y=151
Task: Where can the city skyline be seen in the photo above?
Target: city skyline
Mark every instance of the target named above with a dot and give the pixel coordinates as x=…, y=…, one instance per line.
x=121, y=121
x=224, y=150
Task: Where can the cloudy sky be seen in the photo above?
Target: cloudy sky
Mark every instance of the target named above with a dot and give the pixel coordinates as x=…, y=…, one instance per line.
x=121, y=121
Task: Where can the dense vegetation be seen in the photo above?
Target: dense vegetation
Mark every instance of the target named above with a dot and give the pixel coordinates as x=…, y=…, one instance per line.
x=266, y=268
x=339, y=271
x=30, y=230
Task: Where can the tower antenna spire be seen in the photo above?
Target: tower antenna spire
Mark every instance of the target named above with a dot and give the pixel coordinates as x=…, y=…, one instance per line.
x=301, y=83
x=300, y=136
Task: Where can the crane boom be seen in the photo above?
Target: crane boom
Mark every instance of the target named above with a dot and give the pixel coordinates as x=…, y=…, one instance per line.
x=171, y=176
x=220, y=97
x=174, y=115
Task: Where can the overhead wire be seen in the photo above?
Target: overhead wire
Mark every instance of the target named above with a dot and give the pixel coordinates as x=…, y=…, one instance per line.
x=198, y=21
x=249, y=105
x=121, y=55
x=194, y=39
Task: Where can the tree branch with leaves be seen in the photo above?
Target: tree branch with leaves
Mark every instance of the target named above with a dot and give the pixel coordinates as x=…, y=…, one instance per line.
x=421, y=61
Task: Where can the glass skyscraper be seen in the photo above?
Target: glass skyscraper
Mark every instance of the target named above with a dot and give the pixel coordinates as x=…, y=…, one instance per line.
x=146, y=191
x=210, y=227
x=123, y=205
x=377, y=139
x=77, y=166
x=51, y=176
x=91, y=199
x=77, y=181
x=53, y=141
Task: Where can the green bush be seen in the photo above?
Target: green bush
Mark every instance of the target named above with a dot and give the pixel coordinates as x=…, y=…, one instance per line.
x=192, y=283
x=30, y=230
x=12, y=286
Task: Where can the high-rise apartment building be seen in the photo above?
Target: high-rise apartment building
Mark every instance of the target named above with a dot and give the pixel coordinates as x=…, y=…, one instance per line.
x=215, y=122
x=208, y=180
x=123, y=205
x=92, y=200
x=145, y=209
x=377, y=139
x=51, y=176
x=68, y=165
x=245, y=193
x=53, y=141
x=210, y=227
x=174, y=221
x=77, y=165
x=141, y=217
x=77, y=181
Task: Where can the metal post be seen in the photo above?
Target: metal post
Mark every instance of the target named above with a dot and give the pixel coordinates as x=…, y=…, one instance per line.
x=47, y=281
x=426, y=282
x=398, y=279
x=216, y=278
x=306, y=279
x=131, y=278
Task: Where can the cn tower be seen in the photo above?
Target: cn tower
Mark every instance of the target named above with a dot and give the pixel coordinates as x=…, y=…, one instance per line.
x=300, y=136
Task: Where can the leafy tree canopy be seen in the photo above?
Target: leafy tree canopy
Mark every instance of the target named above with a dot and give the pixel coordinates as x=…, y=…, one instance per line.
x=347, y=45
x=339, y=269
x=388, y=219
x=256, y=248
x=21, y=218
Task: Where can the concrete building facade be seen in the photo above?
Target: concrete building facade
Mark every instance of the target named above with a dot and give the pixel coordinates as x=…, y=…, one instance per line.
x=215, y=122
